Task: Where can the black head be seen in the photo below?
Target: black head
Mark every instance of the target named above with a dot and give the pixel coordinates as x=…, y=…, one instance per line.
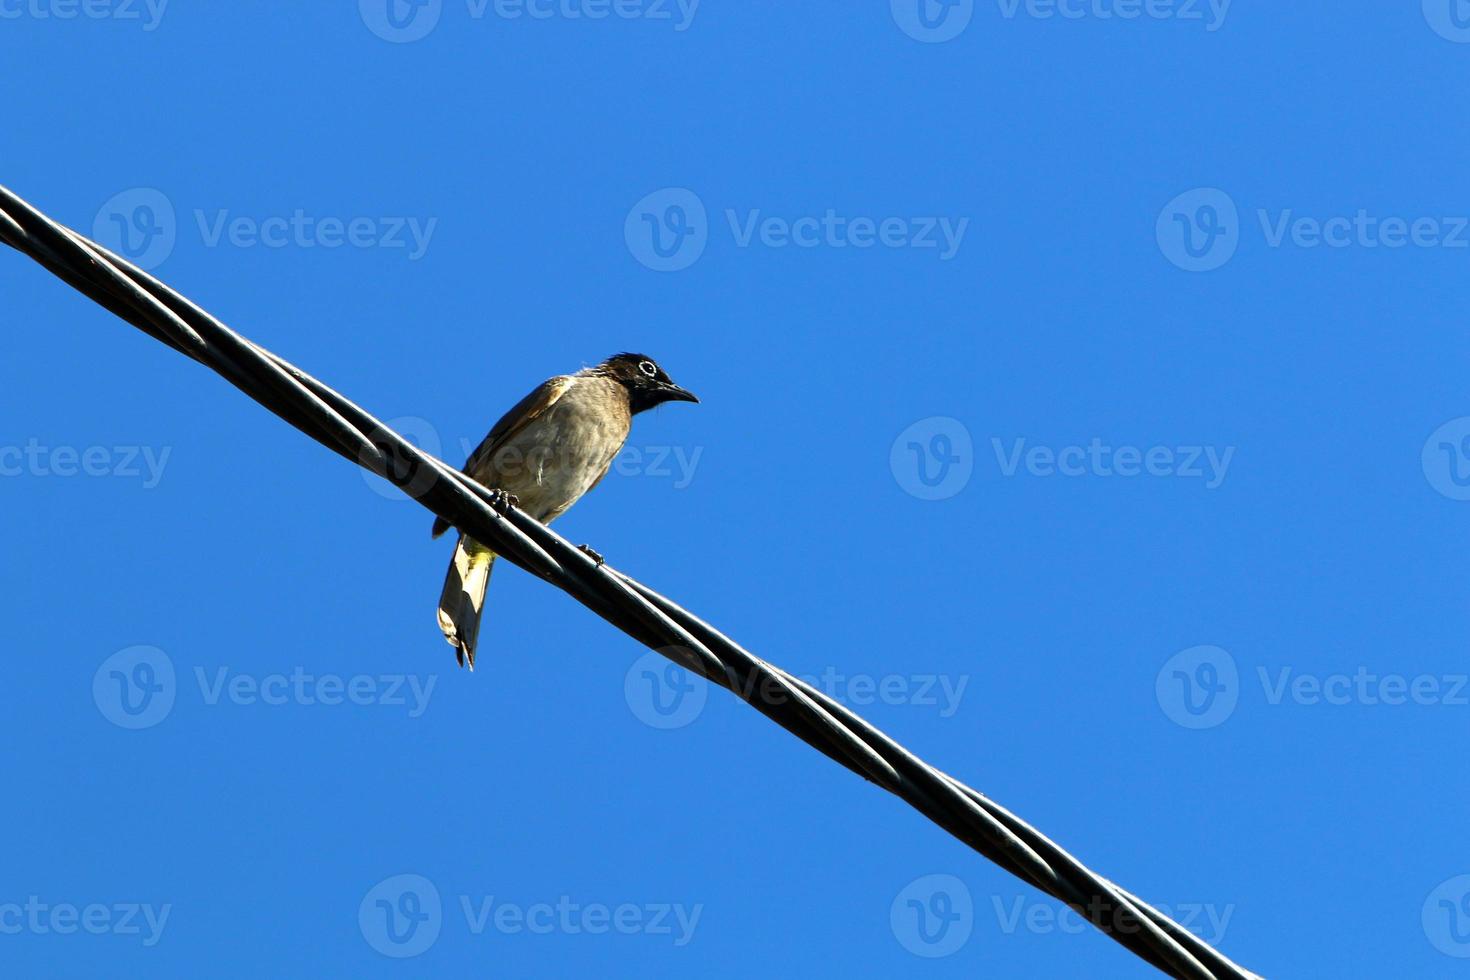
x=647, y=384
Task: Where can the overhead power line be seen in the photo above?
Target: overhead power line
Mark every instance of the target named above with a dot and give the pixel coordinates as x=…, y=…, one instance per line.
x=648, y=617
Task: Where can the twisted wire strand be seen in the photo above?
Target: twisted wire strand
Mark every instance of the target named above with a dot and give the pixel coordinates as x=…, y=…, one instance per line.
x=648, y=617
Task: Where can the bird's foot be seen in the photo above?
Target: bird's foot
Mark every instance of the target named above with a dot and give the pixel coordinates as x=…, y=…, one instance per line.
x=586, y=549
x=503, y=500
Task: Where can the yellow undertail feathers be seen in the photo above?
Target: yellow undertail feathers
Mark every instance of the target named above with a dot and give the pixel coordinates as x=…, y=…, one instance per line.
x=463, y=599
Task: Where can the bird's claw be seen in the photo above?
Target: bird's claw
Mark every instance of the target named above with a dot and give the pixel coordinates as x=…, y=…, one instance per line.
x=586, y=549
x=503, y=500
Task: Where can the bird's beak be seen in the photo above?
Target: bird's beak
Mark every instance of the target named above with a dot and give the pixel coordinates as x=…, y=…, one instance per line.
x=674, y=393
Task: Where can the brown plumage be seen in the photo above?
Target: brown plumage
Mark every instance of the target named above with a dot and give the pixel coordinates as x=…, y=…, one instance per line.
x=551, y=448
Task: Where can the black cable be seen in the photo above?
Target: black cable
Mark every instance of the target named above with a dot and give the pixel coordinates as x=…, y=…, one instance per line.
x=648, y=617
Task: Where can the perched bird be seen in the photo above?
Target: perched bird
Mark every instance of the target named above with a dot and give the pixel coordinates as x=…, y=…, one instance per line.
x=552, y=447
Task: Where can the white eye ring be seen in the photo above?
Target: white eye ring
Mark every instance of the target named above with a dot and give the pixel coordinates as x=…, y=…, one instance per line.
x=648, y=368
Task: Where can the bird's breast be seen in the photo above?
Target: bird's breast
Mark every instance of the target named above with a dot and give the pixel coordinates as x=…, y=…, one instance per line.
x=561, y=453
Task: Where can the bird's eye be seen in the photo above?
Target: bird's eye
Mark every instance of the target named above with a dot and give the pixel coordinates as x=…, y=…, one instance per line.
x=648, y=368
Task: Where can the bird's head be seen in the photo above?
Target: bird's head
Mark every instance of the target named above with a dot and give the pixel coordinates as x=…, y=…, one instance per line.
x=647, y=383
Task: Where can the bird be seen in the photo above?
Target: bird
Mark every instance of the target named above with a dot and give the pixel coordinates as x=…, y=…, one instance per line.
x=543, y=455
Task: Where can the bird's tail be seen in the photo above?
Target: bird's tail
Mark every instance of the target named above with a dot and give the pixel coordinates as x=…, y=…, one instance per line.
x=464, y=597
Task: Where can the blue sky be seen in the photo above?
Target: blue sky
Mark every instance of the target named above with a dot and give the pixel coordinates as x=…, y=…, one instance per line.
x=1084, y=403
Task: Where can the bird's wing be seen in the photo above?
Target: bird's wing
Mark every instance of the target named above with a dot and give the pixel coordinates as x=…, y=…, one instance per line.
x=538, y=401
x=520, y=416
